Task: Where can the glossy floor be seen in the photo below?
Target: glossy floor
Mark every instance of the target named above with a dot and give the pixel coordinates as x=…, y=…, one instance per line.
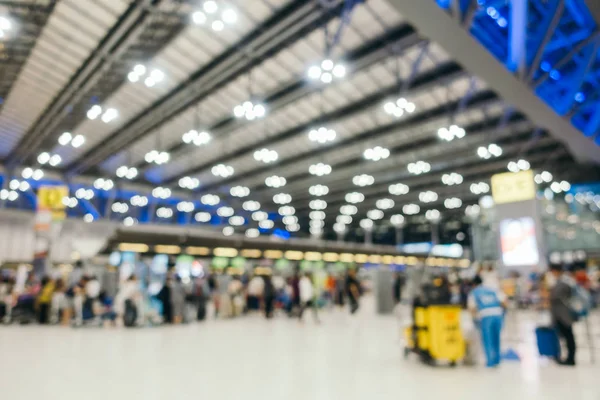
x=250, y=358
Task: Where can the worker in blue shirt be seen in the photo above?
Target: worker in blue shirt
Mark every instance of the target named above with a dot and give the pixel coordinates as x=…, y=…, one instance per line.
x=487, y=306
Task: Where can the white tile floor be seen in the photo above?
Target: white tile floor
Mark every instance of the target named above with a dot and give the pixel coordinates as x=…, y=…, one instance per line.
x=251, y=358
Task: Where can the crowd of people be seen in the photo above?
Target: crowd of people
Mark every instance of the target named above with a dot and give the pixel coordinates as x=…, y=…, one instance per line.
x=84, y=298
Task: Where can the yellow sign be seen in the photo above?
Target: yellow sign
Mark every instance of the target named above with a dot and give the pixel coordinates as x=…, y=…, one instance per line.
x=50, y=198
x=511, y=187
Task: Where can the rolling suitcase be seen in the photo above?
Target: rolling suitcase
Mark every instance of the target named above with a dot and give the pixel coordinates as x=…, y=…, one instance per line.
x=130, y=316
x=547, y=341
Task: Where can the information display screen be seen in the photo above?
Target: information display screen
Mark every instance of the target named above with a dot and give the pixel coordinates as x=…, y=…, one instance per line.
x=518, y=242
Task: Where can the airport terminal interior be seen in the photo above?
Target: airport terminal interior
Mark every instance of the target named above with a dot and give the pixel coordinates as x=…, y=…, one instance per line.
x=300, y=199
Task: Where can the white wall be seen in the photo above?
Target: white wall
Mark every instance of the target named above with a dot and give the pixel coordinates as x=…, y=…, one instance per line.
x=17, y=237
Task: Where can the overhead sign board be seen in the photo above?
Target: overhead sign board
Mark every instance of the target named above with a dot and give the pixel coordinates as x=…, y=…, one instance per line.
x=512, y=187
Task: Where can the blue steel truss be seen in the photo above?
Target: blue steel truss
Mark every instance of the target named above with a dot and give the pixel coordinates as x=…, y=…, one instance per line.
x=551, y=45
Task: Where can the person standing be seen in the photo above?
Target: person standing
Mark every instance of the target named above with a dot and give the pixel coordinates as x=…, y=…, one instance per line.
x=398, y=285
x=562, y=315
x=307, y=296
x=269, y=295
x=487, y=307
x=353, y=290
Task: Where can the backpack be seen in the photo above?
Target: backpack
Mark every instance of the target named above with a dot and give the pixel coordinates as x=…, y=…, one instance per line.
x=580, y=302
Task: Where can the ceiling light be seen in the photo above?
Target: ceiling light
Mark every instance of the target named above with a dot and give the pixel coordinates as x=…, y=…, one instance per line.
x=109, y=115
x=275, y=181
x=290, y=220
x=125, y=172
x=43, y=158
x=265, y=155
x=94, y=112
x=14, y=184
x=202, y=217
x=222, y=170
x=322, y=135
x=319, y=169
x=366, y=224
x=164, y=212
x=260, y=216
x=452, y=178
x=88, y=218
x=343, y=219
x=472, y=210
x=266, y=224
x=348, y=209
x=70, y=202
x=5, y=23
x=479, y=188
x=251, y=205
x=239, y=191
x=217, y=25
x=355, y=197
x=315, y=231
x=161, y=192
x=11, y=195
x=225, y=211
x=27, y=173
x=228, y=231
x=188, y=182
x=315, y=223
x=565, y=186
x=492, y=150
x=428, y=196
x=516, y=166
x=318, y=190
x=249, y=110
x=397, y=220
x=157, y=157
x=24, y=186
x=78, y=141
x=229, y=16
x=452, y=203
x=185, y=206
x=286, y=210
x=210, y=199
x=120, y=208
x=385, y=204
x=55, y=160
x=375, y=214
x=292, y=228
x=236, y=220
x=139, y=69
x=318, y=204
x=196, y=138
x=451, y=133
x=398, y=189
x=339, y=228
x=320, y=215
x=210, y=7
x=376, y=153
x=546, y=176
x=139, y=201
x=327, y=71
x=399, y=107
x=411, y=209
x=104, y=184
x=65, y=138
x=282, y=198
x=433, y=215
x=130, y=221
x=252, y=233
x=363, y=180
x=419, y=167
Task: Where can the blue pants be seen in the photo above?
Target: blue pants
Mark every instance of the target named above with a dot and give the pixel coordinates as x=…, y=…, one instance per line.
x=490, y=328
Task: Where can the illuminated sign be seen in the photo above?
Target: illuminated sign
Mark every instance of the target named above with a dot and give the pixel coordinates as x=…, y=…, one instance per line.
x=511, y=187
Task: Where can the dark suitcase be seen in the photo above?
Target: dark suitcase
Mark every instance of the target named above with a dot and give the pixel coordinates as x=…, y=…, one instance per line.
x=130, y=315
x=547, y=341
x=201, y=311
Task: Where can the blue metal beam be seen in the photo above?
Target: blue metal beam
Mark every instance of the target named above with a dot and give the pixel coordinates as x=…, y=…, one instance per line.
x=518, y=35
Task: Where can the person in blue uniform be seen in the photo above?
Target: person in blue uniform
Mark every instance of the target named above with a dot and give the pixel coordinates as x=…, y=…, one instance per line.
x=487, y=306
